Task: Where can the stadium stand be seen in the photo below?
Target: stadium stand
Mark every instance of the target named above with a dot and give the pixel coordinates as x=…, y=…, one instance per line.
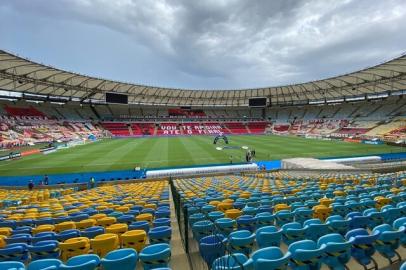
x=261, y=222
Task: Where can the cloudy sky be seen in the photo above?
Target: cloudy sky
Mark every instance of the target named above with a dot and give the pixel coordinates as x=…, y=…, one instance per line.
x=207, y=44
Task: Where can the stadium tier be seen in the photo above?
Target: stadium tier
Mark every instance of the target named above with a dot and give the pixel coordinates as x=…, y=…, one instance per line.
x=24, y=123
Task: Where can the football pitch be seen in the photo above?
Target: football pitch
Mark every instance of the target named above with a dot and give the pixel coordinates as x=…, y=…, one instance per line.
x=120, y=154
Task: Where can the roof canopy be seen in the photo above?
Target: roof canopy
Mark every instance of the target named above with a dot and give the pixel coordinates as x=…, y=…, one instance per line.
x=22, y=75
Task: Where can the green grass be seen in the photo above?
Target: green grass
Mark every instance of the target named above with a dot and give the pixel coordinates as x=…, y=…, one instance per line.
x=117, y=154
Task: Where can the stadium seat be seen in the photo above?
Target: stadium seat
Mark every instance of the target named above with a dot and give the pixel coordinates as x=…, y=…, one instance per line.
x=139, y=225
x=155, y=256
x=268, y=236
x=123, y=259
x=15, y=252
x=162, y=234
x=337, y=250
x=305, y=254
x=241, y=241
x=81, y=262
x=363, y=246
x=235, y=261
x=202, y=228
x=292, y=232
x=44, y=264
x=270, y=258
x=104, y=243
x=48, y=249
x=388, y=241
x=73, y=247
x=92, y=232
x=247, y=222
x=315, y=228
x=12, y=265
x=135, y=239
x=225, y=225
x=212, y=247
x=337, y=224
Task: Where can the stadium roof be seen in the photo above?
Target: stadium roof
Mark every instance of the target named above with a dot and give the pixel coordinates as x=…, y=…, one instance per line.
x=22, y=75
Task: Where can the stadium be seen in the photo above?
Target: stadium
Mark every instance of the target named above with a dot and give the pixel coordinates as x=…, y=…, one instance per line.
x=97, y=173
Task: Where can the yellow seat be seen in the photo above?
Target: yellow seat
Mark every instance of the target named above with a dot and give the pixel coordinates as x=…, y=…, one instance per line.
x=73, y=247
x=6, y=231
x=63, y=226
x=281, y=206
x=145, y=216
x=339, y=193
x=321, y=212
x=106, y=221
x=135, y=239
x=233, y=213
x=325, y=201
x=123, y=209
x=150, y=205
x=381, y=201
x=85, y=223
x=3, y=242
x=118, y=228
x=104, y=243
x=224, y=206
x=43, y=228
x=98, y=216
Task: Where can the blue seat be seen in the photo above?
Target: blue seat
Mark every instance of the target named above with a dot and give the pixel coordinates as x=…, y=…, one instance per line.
x=160, y=234
x=268, y=236
x=398, y=224
x=148, y=211
x=155, y=256
x=302, y=214
x=162, y=213
x=357, y=220
x=125, y=219
x=214, y=215
x=363, y=246
x=92, y=232
x=337, y=224
x=339, y=209
x=225, y=225
x=283, y=217
x=123, y=259
x=264, y=219
x=391, y=213
x=196, y=217
x=235, y=261
x=247, y=222
x=81, y=262
x=80, y=217
x=14, y=252
x=25, y=222
x=44, y=264
x=19, y=238
x=388, y=241
x=161, y=222
x=337, y=250
x=270, y=258
x=249, y=210
x=375, y=217
x=207, y=208
x=9, y=223
x=202, y=228
x=306, y=255
x=241, y=241
x=43, y=237
x=64, y=235
x=315, y=228
x=139, y=225
x=292, y=232
x=43, y=221
x=403, y=266
x=12, y=265
x=212, y=247
x=22, y=229
x=48, y=249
